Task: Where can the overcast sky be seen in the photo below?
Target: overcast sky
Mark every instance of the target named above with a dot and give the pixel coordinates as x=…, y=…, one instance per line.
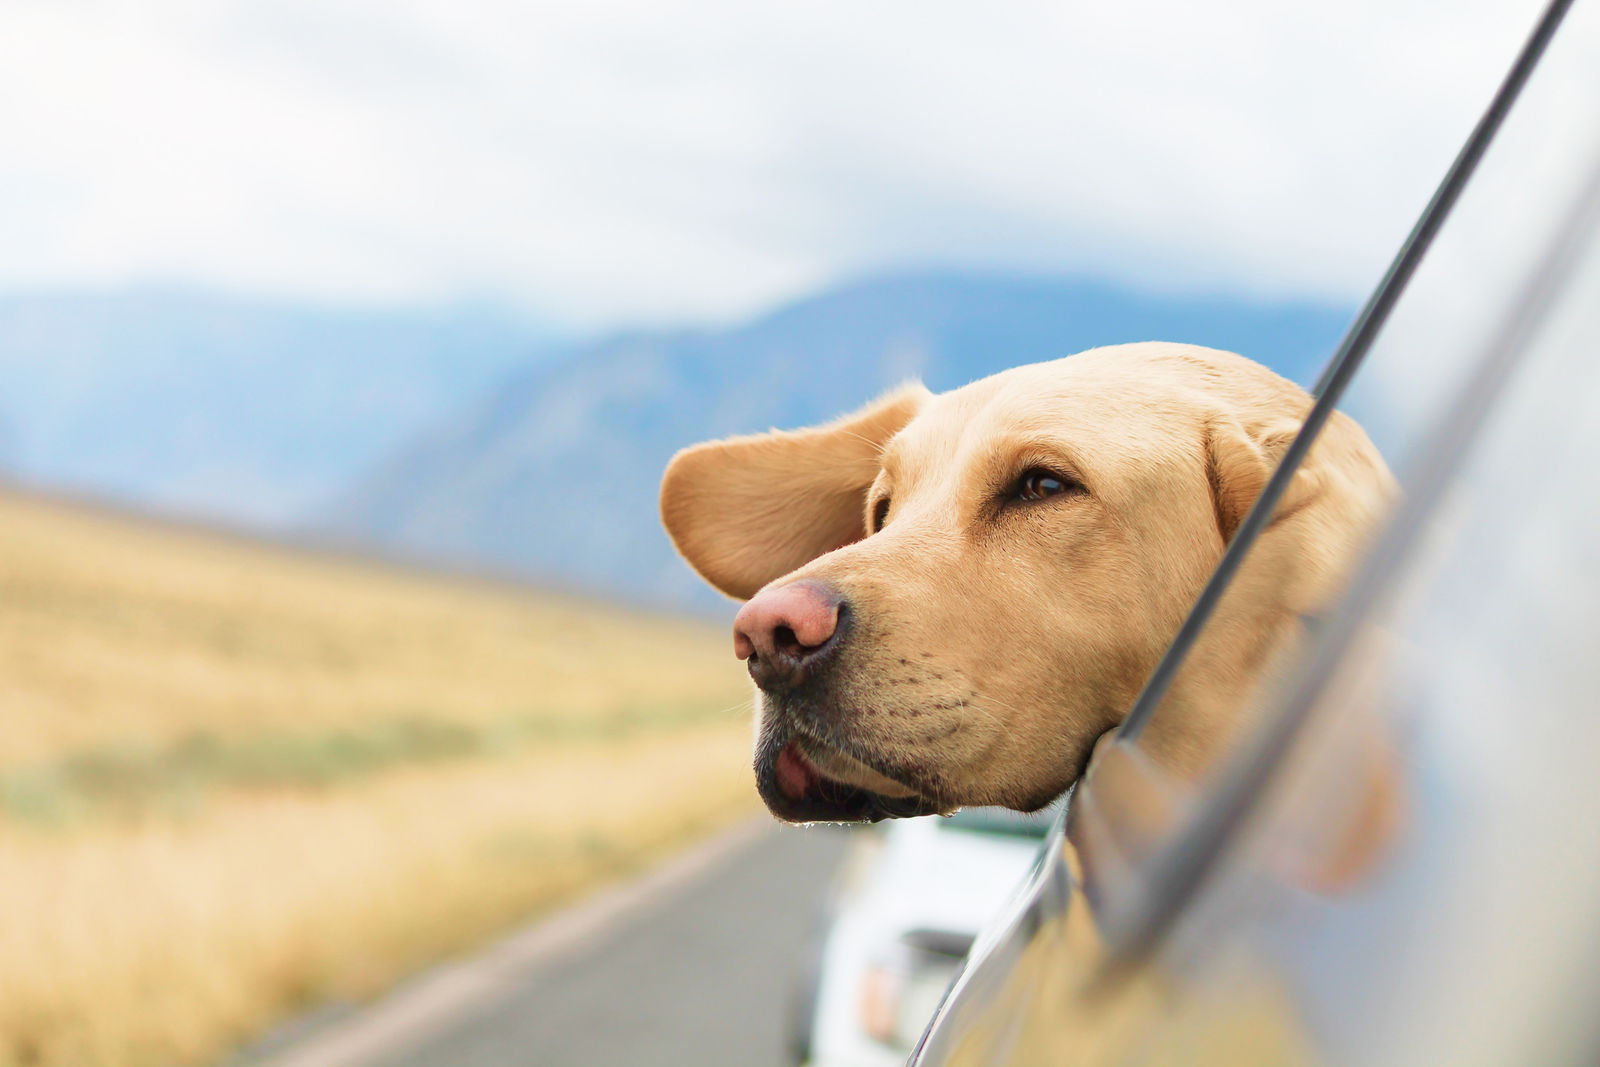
x=627, y=161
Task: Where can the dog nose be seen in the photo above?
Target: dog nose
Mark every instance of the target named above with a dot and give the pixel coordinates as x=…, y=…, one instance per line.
x=784, y=632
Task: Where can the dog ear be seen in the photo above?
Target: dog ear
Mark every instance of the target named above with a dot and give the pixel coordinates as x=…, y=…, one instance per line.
x=746, y=510
x=1239, y=460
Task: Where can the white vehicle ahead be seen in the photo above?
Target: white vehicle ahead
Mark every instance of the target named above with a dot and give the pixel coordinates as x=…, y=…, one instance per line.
x=912, y=895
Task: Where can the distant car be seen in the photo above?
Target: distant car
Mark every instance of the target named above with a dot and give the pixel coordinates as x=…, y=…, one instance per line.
x=912, y=895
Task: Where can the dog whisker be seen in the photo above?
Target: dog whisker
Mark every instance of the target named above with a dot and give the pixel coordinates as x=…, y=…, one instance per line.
x=748, y=704
x=975, y=706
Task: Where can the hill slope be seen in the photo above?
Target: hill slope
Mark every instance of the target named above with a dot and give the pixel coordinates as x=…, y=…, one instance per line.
x=555, y=475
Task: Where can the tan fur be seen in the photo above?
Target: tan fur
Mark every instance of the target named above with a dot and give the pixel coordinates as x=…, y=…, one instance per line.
x=994, y=641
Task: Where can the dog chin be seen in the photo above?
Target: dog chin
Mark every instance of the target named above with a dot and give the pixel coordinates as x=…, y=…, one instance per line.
x=803, y=781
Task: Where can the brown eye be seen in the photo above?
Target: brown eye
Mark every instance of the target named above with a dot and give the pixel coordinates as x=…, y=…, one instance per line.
x=1037, y=484
x=880, y=514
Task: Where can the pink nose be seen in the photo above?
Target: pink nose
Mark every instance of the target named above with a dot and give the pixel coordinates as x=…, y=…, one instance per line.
x=786, y=623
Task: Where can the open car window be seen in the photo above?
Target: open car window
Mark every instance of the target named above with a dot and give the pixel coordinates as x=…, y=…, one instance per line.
x=1402, y=364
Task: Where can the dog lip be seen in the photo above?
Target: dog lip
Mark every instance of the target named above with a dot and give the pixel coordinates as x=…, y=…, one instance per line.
x=796, y=775
x=840, y=764
x=796, y=791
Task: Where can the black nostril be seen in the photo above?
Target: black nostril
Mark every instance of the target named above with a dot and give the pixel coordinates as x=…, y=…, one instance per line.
x=785, y=641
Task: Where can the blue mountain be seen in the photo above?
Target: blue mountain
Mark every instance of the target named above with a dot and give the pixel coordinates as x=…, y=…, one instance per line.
x=554, y=474
x=245, y=411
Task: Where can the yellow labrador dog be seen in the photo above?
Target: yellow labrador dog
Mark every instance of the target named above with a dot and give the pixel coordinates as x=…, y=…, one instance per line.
x=951, y=597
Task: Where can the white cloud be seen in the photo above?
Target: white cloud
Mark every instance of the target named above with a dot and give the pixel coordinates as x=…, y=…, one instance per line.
x=625, y=159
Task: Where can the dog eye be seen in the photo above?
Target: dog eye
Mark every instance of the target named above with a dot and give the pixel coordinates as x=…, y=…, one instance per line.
x=1038, y=483
x=880, y=514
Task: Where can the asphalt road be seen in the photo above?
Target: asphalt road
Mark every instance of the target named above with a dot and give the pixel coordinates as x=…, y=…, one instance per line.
x=701, y=974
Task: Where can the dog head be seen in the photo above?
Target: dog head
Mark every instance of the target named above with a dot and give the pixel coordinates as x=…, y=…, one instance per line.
x=952, y=597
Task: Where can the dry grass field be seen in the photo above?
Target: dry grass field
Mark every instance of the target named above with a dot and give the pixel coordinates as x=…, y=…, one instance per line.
x=236, y=780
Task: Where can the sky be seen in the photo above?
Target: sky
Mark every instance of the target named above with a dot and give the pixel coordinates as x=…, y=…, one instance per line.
x=634, y=162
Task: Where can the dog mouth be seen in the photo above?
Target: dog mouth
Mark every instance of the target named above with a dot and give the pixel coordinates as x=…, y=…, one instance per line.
x=803, y=780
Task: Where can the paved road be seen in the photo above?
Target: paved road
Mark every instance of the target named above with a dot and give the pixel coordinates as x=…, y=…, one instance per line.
x=700, y=975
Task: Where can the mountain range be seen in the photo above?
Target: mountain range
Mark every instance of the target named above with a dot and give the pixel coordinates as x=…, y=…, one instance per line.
x=243, y=411
x=552, y=474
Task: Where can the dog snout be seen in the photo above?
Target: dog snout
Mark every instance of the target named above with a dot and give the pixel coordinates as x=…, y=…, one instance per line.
x=786, y=633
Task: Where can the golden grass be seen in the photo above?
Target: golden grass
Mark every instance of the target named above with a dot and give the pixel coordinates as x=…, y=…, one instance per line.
x=141, y=632
x=306, y=853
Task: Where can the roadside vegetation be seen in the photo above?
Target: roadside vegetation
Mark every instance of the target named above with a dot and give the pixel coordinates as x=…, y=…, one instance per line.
x=239, y=781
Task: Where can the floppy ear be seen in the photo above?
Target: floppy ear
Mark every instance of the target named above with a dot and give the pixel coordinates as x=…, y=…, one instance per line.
x=1239, y=460
x=746, y=510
